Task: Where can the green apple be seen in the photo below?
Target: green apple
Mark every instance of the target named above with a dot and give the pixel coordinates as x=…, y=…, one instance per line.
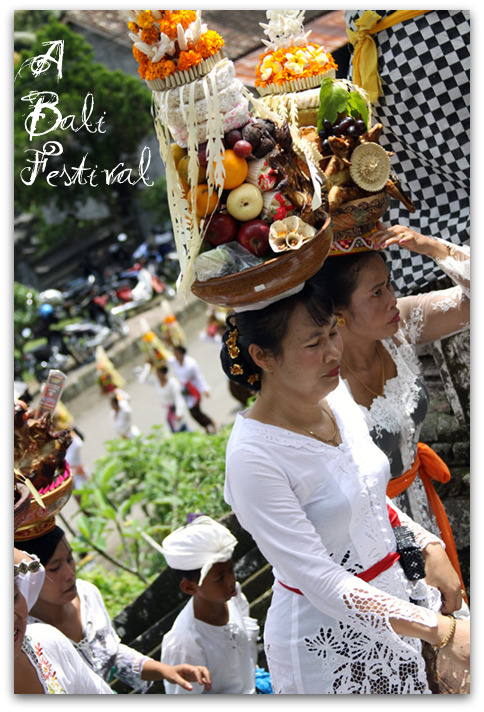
x=245, y=202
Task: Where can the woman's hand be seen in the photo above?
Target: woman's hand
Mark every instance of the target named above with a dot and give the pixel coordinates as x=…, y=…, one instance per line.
x=459, y=647
x=409, y=239
x=440, y=573
x=184, y=674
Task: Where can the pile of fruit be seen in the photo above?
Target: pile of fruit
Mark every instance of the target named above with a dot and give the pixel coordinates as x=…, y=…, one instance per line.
x=249, y=201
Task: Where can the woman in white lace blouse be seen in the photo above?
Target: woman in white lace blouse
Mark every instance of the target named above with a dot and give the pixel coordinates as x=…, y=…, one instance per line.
x=381, y=368
x=304, y=477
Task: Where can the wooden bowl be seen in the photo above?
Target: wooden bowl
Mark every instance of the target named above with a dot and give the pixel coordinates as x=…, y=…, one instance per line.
x=359, y=213
x=39, y=520
x=270, y=278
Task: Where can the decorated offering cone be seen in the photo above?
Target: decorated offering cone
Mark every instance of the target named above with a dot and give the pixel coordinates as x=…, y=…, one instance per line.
x=109, y=379
x=231, y=172
x=156, y=352
x=172, y=331
x=196, y=99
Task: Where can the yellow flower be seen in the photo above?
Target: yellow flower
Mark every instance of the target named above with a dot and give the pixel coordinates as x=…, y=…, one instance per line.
x=236, y=370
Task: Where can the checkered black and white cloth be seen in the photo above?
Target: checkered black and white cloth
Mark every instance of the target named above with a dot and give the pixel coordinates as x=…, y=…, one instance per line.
x=424, y=66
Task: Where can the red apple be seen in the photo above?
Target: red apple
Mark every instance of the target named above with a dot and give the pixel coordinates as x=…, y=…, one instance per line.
x=231, y=137
x=254, y=236
x=242, y=148
x=221, y=228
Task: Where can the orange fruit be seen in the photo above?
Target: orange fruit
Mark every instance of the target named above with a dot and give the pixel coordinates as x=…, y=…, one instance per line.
x=236, y=169
x=205, y=202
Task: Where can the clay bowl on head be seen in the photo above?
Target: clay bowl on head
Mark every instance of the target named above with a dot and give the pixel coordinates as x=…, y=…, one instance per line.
x=357, y=213
x=270, y=278
x=39, y=520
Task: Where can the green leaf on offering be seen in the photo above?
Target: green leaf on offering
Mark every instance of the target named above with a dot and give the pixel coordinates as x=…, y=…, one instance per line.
x=332, y=100
x=357, y=106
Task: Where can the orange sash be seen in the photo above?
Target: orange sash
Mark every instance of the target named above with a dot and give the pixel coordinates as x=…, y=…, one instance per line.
x=429, y=466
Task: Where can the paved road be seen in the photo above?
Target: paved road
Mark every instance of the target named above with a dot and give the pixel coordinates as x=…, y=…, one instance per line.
x=91, y=410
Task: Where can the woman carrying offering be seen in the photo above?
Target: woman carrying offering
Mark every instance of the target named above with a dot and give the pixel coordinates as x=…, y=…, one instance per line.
x=380, y=365
x=304, y=477
x=76, y=608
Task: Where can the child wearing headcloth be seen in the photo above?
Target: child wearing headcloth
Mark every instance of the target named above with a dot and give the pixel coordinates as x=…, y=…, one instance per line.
x=214, y=628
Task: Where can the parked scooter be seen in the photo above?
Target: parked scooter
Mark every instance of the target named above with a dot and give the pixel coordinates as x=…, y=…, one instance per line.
x=65, y=346
x=83, y=297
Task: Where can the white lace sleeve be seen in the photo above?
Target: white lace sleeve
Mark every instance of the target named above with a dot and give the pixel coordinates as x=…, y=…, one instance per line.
x=458, y=266
x=422, y=536
x=429, y=317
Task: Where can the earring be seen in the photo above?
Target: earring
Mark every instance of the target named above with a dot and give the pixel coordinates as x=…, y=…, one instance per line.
x=340, y=321
x=268, y=368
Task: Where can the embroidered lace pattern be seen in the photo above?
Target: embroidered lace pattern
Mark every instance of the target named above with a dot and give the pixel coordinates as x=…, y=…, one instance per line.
x=48, y=675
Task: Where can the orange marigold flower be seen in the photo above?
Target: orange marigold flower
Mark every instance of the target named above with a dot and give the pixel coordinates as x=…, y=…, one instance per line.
x=150, y=35
x=169, y=23
x=145, y=19
x=188, y=59
x=279, y=59
x=209, y=44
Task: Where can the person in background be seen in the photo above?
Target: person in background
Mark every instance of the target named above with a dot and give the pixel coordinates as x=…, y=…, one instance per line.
x=349, y=609
x=76, y=608
x=169, y=392
x=193, y=385
x=44, y=660
x=121, y=417
x=214, y=628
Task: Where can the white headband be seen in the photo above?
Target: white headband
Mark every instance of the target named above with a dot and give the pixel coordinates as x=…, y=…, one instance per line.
x=29, y=577
x=198, y=545
x=270, y=300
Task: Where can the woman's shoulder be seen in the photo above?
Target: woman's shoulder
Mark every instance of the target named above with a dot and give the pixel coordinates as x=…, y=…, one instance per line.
x=45, y=635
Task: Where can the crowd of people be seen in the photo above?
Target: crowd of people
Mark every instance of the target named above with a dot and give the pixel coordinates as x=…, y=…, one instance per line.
x=324, y=469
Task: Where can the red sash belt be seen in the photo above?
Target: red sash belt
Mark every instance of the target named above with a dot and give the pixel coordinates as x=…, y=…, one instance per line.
x=429, y=466
x=366, y=575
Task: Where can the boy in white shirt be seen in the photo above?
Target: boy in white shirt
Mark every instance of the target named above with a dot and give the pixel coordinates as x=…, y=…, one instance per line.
x=214, y=628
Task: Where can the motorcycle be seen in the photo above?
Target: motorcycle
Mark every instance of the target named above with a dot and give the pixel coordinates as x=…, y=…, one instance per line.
x=64, y=347
x=83, y=297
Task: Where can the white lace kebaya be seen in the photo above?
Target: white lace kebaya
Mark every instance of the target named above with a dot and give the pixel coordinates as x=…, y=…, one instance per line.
x=319, y=515
x=395, y=419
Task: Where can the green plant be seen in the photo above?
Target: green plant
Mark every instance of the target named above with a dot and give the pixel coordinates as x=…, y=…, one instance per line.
x=118, y=588
x=144, y=488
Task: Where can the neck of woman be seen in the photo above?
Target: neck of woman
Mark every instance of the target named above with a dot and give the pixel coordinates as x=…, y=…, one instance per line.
x=66, y=617
x=360, y=354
